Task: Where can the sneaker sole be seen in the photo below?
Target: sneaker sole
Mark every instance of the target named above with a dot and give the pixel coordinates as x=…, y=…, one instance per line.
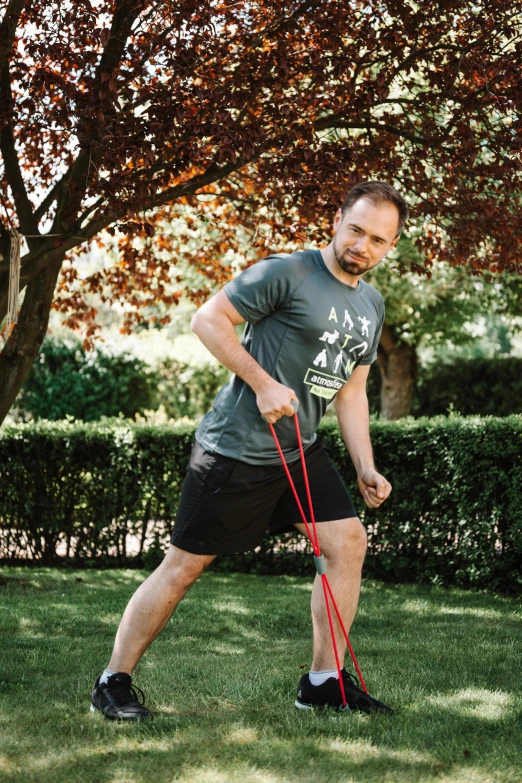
x=303, y=706
x=117, y=717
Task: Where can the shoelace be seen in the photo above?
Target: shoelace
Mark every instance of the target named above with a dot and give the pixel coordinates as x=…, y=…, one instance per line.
x=120, y=693
x=351, y=680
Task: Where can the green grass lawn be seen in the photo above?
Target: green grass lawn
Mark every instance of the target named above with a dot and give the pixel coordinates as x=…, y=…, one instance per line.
x=222, y=679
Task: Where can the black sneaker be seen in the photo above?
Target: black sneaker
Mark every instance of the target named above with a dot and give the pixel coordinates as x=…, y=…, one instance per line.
x=117, y=699
x=329, y=695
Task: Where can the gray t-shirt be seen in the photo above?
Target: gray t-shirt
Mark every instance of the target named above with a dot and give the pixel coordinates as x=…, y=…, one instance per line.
x=308, y=331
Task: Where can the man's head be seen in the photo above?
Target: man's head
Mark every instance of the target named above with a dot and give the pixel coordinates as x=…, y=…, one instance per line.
x=367, y=226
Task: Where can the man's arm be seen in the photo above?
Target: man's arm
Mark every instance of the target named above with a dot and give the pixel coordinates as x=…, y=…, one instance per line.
x=351, y=406
x=214, y=325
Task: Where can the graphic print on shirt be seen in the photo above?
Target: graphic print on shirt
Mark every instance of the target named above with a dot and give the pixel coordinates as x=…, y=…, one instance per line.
x=363, y=346
x=347, y=320
x=338, y=362
x=330, y=337
x=365, y=324
x=320, y=359
x=323, y=384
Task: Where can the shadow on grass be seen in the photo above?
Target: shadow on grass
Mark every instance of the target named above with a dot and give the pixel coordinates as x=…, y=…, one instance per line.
x=222, y=678
x=214, y=747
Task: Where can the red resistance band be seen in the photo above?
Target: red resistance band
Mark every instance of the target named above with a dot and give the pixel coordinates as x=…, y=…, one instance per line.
x=319, y=560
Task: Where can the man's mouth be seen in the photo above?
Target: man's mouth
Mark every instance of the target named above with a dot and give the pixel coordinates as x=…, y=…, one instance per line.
x=355, y=258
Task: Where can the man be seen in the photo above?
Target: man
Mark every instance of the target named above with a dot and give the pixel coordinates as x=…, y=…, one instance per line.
x=313, y=327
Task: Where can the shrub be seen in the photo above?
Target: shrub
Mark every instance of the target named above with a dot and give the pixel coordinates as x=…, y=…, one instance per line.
x=488, y=387
x=478, y=386
x=88, y=484
x=65, y=381
x=186, y=390
x=452, y=518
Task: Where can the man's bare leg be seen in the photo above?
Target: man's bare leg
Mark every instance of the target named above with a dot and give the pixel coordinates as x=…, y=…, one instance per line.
x=152, y=605
x=343, y=543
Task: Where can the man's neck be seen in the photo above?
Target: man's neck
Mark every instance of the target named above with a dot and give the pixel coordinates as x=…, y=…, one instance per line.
x=333, y=266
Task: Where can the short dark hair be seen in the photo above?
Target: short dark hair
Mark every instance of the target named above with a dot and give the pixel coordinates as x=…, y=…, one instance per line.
x=377, y=192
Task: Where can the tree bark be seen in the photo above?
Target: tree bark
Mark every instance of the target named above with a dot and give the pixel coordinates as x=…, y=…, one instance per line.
x=26, y=339
x=398, y=367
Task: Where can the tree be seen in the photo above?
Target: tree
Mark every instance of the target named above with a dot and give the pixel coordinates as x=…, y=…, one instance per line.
x=113, y=115
x=434, y=310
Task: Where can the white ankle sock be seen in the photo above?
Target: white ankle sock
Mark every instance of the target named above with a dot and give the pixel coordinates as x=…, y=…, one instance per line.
x=105, y=676
x=317, y=678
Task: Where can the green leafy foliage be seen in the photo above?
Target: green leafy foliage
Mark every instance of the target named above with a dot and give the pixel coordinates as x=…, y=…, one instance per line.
x=187, y=390
x=488, y=387
x=66, y=381
x=452, y=518
x=469, y=386
x=433, y=305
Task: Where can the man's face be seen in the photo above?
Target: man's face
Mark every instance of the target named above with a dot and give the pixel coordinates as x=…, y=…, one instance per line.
x=364, y=234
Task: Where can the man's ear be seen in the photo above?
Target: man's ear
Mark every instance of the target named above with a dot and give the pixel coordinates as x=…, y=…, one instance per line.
x=395, y=241
x=338, y=217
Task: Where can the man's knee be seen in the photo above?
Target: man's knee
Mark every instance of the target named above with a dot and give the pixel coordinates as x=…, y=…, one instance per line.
x=348, y=543
x=184, y=568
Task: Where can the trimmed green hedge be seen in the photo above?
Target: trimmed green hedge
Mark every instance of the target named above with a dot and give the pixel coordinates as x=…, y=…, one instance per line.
x=453, y=516
x=488, y=387
x=470, y=387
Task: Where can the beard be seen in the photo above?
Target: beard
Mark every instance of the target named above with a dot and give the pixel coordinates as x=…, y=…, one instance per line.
x=352, y=264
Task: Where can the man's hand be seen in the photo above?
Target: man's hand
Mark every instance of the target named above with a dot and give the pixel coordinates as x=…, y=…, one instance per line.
x=374, y=488
x=274, y=401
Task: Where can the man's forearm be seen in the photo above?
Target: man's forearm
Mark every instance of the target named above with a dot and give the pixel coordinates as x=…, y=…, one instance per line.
x=354, y=423
x=218, y=335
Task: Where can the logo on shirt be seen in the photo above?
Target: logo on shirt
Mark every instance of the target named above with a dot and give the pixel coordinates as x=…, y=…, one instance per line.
x=323, y=385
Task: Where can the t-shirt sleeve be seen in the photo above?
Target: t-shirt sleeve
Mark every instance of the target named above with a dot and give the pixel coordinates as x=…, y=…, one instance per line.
x=371, y=353
x=262, y=288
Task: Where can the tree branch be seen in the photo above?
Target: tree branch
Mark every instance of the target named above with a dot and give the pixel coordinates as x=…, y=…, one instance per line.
x=13, y=173
x=125, y=14
x=8, y=27
x=285, y=21
x=212, y=174
x=52, y=196
x=88, y=210
x=34, y=262
x=338, y=121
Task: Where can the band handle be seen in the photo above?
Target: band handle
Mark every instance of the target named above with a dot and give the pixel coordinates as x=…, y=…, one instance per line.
x=293, y=403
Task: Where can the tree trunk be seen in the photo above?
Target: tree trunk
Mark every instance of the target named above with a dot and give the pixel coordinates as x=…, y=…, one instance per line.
x=398, y=367
x=26, y=339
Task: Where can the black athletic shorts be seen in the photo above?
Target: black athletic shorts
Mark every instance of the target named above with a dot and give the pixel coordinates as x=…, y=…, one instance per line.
x=227, y=506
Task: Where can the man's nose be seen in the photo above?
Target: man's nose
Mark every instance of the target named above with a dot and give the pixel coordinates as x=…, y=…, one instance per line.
x=361, y=246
